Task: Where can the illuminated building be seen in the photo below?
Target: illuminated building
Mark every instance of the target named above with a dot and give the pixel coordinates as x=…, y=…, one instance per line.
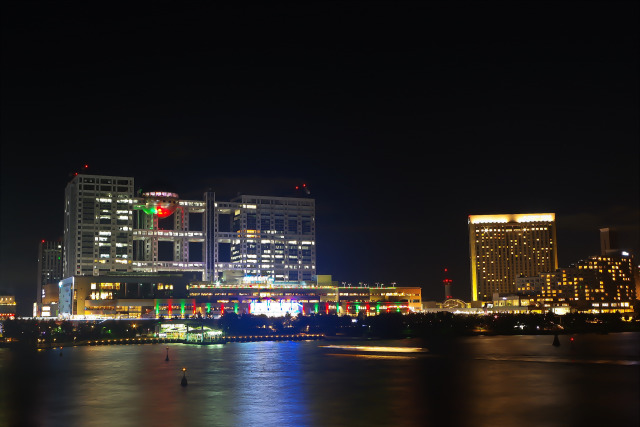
x=504, y=247
x=407, y=299
x=98, y=225
x=599, y=284
x=49, y=272
x=262, y=237
x=111, y=232
x=7, y=306
x=530, y=285
x=563, y=290
x=263, y=295
x=183, y=296
x=108, y=230
x=154, y=254
x=50, y=298
x=128, y=295
x=168, y=234
x=612, y=287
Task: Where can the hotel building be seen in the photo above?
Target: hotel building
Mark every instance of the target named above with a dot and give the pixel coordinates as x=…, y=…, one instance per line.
x=611, y=285
x=598, y=284
x=504, y=247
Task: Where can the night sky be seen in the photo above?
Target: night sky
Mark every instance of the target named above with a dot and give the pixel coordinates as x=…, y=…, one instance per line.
x=403, y=118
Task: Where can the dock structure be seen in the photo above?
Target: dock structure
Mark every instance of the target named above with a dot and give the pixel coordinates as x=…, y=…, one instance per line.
x=195, y=339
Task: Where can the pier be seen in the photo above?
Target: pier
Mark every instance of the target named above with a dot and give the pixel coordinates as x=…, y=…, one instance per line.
x=217, y=340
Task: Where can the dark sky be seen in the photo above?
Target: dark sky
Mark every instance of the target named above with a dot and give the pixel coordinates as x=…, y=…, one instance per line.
x=402, y=117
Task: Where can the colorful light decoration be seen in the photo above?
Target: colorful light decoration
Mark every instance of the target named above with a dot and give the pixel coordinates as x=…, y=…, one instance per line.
x=276, y=308
x=160, y=203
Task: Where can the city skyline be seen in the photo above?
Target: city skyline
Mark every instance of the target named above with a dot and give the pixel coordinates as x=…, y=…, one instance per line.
x=527, y=107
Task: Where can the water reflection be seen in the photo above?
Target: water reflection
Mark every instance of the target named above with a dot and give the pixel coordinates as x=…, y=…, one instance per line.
x=478, y=381
x=269, y=384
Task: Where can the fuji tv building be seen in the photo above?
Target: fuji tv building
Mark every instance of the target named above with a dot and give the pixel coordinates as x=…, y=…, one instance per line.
x=153, y=254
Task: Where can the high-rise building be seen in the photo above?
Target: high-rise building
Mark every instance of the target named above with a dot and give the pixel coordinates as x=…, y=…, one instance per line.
x=613, y=284
x=504, y=247
x=49, y=264
x=110, y=230
x=98, y=225
x=272, y=237
x=119, y=245
x=49, y=271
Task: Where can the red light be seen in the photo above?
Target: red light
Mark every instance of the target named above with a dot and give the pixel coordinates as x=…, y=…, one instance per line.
x=86, y=166
x=304, y=185
x=163, y=212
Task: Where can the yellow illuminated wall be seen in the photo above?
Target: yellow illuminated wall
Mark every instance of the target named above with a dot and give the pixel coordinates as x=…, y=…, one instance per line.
x=503, y=247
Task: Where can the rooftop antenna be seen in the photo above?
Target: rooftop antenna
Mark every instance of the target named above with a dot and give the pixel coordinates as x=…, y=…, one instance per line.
x=304, y=188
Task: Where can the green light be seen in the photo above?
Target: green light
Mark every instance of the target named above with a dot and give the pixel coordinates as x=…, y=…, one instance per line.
x=149, y=211
x=182, y=308
x=208, y=307
x=235, y=307
x=316, y=307
x=157, y=308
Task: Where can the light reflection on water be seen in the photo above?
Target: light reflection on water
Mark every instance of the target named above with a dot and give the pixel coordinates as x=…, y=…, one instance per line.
x=476, y=381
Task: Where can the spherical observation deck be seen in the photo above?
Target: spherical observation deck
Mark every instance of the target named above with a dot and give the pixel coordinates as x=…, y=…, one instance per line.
x=160, y=203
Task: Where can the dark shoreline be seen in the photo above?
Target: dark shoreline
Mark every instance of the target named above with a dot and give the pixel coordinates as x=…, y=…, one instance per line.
x=430, y=327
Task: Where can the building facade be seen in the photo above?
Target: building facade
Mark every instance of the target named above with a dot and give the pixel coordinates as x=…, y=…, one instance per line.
x=181, y=295
x=49, y=272
x=111, y=232
x=7, y=307
x=504, y=247
x=98, y=225
x=168, y=234
x=598, y=284
x=611, y=283
x=261, y=237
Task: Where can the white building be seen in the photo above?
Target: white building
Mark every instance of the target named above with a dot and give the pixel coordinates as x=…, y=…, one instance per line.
x=111, y=230
x=98, y=225
x=261, y=236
